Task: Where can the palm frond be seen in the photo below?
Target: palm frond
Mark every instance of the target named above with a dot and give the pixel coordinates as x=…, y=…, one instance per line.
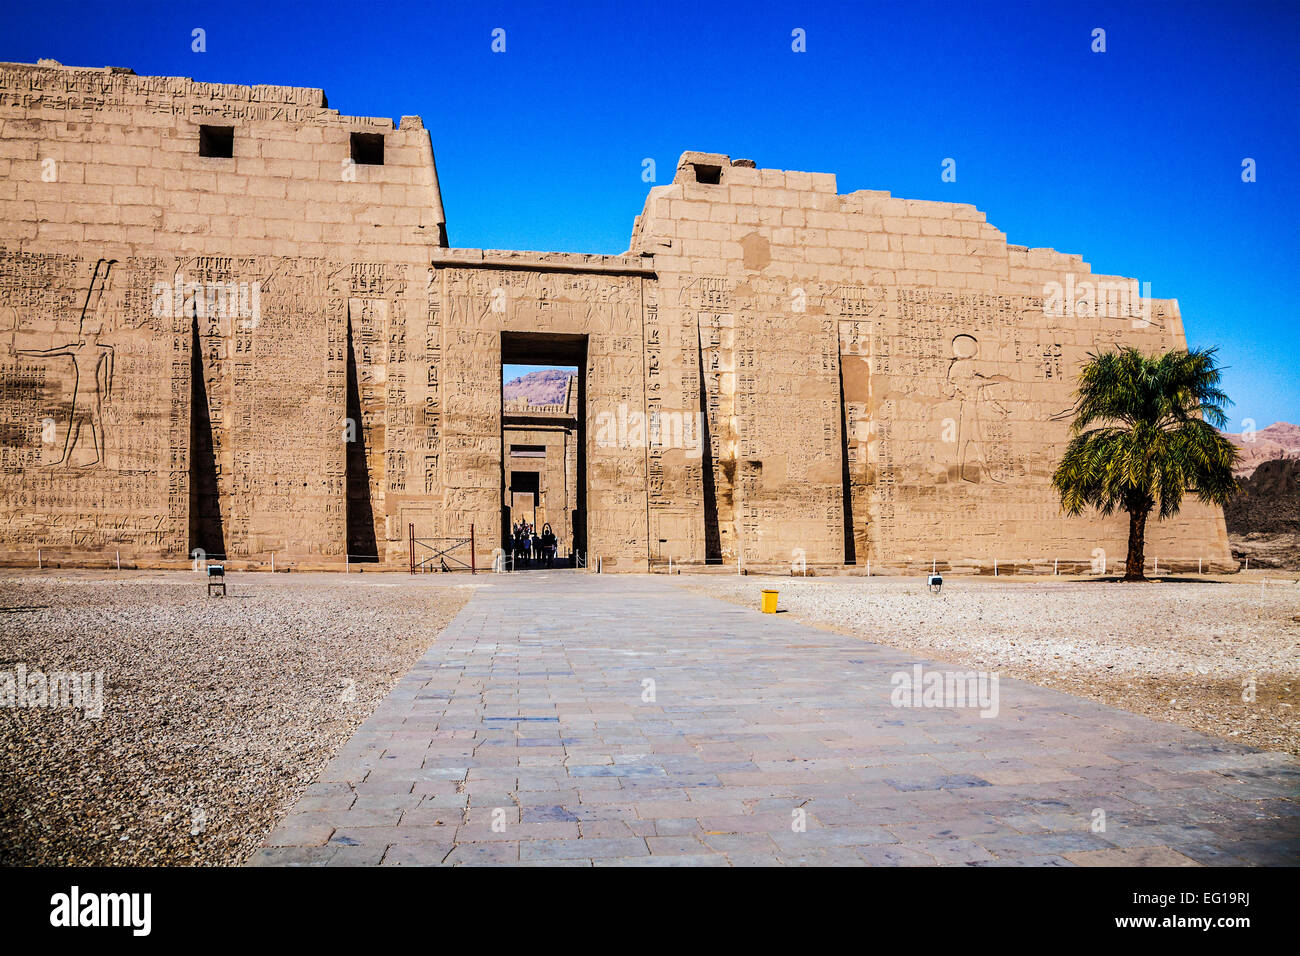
x=1145, y=434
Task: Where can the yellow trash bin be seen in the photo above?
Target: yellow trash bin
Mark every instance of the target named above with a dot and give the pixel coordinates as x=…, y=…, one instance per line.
x=769, y=601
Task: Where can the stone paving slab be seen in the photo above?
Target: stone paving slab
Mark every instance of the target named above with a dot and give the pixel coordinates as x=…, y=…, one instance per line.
x=577, y=719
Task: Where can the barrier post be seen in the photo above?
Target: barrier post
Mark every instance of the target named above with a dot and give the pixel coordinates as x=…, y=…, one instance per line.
x=472, y=566
x=412, y=527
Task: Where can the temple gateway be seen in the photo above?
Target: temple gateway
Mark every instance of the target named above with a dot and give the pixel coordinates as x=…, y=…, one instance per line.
x=232, y=324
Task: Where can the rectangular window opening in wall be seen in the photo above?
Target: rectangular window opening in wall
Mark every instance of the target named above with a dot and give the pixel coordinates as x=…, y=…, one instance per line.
x=217, y=142
x=709, y=175
x=368, y=149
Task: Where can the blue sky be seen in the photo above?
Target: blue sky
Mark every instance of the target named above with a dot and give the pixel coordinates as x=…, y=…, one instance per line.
x=1131, y=157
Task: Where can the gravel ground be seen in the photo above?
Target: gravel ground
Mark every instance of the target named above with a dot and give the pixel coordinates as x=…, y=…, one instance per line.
x=217, y=713
x=1177, y=651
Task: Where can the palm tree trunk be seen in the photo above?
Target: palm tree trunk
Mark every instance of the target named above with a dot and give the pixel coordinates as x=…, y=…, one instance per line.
x=1137, y=533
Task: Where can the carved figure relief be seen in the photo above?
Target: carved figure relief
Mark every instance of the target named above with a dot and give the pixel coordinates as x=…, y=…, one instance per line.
x=977, y=409
x=92, y=374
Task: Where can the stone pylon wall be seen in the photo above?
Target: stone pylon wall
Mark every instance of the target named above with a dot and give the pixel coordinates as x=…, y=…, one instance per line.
x=275, y=352
x=889, y=380
x=153, y=299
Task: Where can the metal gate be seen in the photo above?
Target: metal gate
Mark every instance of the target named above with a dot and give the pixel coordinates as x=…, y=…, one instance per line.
x=442, y=554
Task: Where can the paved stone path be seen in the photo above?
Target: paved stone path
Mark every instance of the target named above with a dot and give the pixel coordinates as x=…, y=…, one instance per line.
x=522, y=736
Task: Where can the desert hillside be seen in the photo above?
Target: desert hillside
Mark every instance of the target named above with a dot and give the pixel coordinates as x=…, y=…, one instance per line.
x=543, y=387
x=1264, y=519
x=1269, y=499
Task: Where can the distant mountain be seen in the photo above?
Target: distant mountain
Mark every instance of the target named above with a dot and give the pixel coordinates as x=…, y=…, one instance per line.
x=543, y=387
x=1279, y=440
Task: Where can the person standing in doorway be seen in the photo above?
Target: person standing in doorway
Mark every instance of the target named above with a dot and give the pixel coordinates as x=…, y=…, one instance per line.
x=548, y=544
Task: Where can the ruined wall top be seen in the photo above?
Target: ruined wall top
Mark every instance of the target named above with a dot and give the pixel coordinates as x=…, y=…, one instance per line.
x=164, y=166
x=703, y=180
x=49, y=85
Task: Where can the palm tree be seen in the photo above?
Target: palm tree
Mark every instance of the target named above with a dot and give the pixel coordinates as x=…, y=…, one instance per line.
x=1146, y=432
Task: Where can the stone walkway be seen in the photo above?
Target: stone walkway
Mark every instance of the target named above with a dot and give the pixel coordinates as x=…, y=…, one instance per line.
x=522, y=736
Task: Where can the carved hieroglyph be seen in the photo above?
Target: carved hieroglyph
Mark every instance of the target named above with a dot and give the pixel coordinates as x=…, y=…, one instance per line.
x=276, y=352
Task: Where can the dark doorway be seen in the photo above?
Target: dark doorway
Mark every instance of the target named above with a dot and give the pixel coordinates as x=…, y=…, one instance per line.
x=533, y=434
x=525, y=488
